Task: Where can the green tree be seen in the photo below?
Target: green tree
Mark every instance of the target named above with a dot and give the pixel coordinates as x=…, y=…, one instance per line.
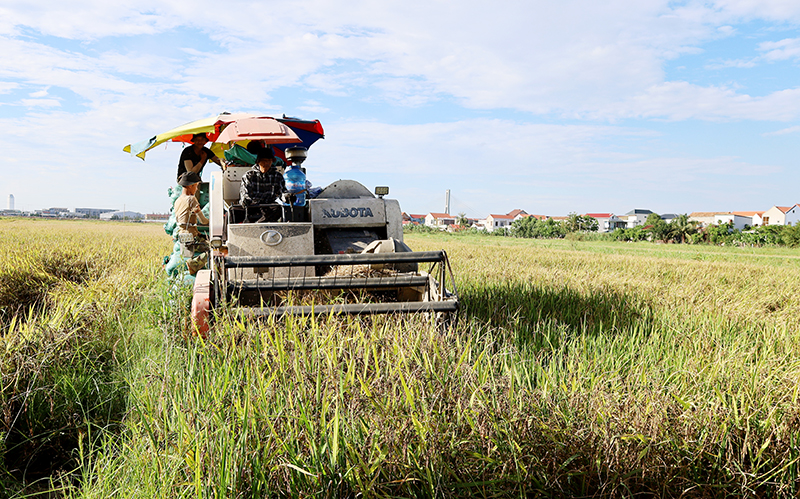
x=790, y=236
x=462, y=220
x=524, y=227
x=632, y=234
x=682, y=227
x=551, y=229
x=580, y=223
x=532, y=228
x=657, y=227
x=721, y=234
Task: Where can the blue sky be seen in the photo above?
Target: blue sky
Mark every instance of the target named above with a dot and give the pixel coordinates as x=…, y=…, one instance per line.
x=552, y=107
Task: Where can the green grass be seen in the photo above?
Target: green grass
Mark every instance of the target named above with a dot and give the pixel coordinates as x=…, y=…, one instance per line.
x=576, y=369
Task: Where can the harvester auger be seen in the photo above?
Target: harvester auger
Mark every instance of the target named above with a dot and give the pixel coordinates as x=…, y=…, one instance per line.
x=342, y=252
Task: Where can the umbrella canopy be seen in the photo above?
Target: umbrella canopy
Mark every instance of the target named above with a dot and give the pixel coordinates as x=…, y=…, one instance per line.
x=227, y=127
x=183, y=133
x=268, y=130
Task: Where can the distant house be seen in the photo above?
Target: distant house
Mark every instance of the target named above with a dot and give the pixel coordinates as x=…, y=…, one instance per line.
x=121, y=215
x=607, y=222
x=781, y=215
x=669, y=217
x=420, y=219
x=156, y=217
x=470, y=223
x=93, y=212
x=494, y=222
x=704, y=218
x=738, y=221
x=439, y=220
x=636, y=217
x=540, y=218
x=754, y=216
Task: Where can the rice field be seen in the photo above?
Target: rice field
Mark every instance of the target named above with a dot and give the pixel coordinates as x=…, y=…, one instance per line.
x=576, y=368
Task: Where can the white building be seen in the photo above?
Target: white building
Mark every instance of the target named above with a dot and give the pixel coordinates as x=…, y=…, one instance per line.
x=121, y=215
x=607, y=222
x=93, y=212
x=636, y=217
x=494, y=222
x=439, y=220
x=754, y=216
x=739, y=221
x=704, y=218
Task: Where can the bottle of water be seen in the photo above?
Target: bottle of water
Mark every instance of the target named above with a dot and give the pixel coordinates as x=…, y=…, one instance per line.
x=295, y=181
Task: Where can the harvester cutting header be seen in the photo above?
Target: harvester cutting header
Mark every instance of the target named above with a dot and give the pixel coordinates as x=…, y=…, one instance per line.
x=296, y=249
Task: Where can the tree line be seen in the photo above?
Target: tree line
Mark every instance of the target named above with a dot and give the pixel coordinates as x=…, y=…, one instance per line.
x=678, y=230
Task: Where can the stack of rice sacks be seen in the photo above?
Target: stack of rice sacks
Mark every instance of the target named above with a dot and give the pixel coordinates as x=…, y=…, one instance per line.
x=175, y=264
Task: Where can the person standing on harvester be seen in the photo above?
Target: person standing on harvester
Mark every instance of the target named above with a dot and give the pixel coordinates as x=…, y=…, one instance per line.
x=194, y=157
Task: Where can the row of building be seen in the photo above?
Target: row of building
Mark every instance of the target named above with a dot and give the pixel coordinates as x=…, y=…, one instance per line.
x=98, y=213
x=608, y=222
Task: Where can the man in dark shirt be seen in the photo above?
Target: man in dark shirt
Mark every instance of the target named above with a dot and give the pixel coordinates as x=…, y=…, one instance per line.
x=262, y=184
x=194, y=158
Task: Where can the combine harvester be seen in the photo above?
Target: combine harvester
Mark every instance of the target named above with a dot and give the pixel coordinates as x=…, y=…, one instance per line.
x=340, y=252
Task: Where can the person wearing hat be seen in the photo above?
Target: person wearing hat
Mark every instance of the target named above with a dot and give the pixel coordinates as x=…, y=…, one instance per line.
x=194, y=157
x=262, y=184
x=187, y=210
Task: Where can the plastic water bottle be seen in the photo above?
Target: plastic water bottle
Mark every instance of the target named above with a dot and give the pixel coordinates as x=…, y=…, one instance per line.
x=295, y=181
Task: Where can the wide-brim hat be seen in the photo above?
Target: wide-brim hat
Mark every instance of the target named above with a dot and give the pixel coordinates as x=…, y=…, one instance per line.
x=189, y=178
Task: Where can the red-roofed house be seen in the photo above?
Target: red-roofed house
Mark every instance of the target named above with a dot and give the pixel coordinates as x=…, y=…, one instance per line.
x=541, y=218
x=494, y=222
x=754, y=216
x=781, y=215
x=607, y=222
x=420, y=219
x=439, y=220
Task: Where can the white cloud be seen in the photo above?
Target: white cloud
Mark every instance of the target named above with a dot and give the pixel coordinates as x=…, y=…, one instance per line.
x=572, y=59
x=784, y=131
x=734, y=63
x=93, y=19
x=681, y=100
x=41, y=102
x=782, y=50
x=770, y=10
x=7, y=86
x=314, y=107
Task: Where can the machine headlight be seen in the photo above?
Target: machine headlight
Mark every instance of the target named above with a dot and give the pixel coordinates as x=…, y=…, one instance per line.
x=381, y=190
